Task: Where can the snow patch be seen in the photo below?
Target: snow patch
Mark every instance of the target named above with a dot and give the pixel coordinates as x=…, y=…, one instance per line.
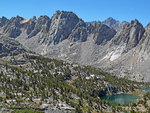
x=108, y=56
x=115, y=53
x=115, y=56
x=44, y=52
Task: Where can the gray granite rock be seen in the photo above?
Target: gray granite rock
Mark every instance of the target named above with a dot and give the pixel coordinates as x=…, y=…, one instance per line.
x=10, y=47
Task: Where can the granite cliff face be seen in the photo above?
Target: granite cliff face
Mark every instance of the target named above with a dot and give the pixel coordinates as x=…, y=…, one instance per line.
x=130, y=35
x=122, y=52
x=66, y=36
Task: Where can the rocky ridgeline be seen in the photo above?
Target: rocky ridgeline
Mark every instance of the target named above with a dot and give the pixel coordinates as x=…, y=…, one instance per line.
x=118, y=47
x=63, y=25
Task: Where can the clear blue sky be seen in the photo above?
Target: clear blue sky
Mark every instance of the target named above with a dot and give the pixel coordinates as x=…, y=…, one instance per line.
x=88, y=10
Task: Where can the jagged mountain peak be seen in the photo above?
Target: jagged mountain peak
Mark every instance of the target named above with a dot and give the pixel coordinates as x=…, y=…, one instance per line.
x=58, y=12
x=62, y=24
x=64, y=14
x=113, y=23
x=111, y=20
x=148, y=26
x=16, y=19
x=129, y=36
x=34, y=18
x=136, y=23
x=145, y=44
x=3, y=18
x=3, y=21
x=125, y=40
x=43, y=19
x=103, y=33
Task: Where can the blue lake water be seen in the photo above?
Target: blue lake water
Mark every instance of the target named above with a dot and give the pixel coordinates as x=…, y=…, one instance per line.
x=121, y=99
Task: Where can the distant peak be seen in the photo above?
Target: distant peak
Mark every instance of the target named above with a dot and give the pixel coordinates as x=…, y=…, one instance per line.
x=34, y=18
x=44, y=17
x=63, y=12
x=148, y=26
x=110, y=18
x=112, y=23
x=17, y=18
x=3, y=17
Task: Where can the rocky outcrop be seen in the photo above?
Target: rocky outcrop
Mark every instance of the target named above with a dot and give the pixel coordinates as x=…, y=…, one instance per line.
x=3, y=21
x=102, y=33
x=13, y=27
x=79, y=33
x=37, y=26
x=62, y=24
x=10, y=47
x=145, y=42
x=144, y=45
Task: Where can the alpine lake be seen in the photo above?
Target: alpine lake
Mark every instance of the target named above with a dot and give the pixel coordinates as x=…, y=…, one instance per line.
x=124, y=99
